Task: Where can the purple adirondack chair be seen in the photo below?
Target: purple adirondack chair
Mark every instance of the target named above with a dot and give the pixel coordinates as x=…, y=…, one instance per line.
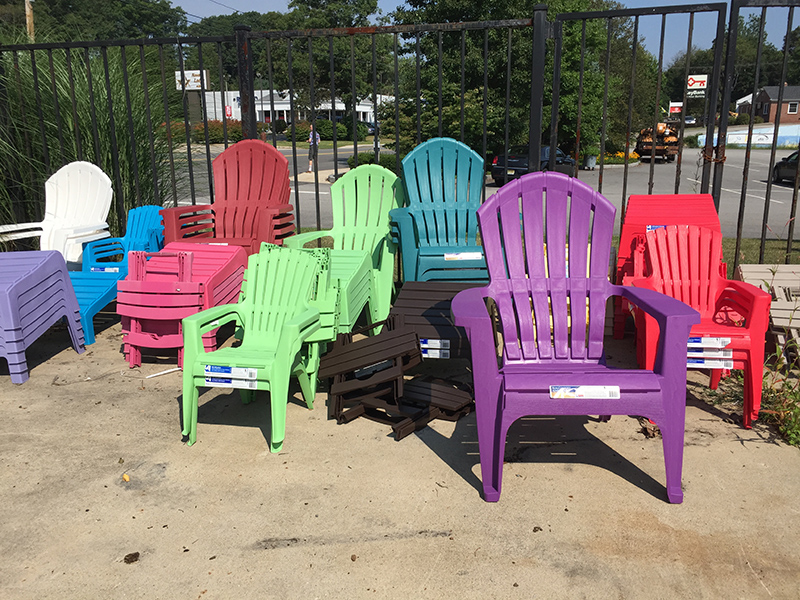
x=552, y=323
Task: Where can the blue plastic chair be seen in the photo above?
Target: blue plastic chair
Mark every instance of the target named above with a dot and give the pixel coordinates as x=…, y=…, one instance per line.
x=96, y=284
x=437, y=229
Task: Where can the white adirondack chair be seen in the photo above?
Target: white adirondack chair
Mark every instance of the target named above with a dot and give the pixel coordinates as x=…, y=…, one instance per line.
x=77, y=200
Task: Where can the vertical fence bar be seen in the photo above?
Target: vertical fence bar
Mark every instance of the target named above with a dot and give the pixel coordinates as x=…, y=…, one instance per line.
x=375, y=139
x=537, y=91
x=92, y=111
x=793, y=211
x=419, y=92
x=508, y=103
x=75, y=121
x=39, y=113
x=120, y=195
x=353, y=88
x=657, y=108
x=558, y=35
x=186, y=126
x=28, y=145
x=439, y=36
x=723, y=114
x=634, y=48
x=485, y=101
x=56, y=106
x=684, y=104
x=333, y=104
x=314, y=132
x=776, y=129
x=463, y=77
x=148, y=114
x=223, y=99
x=244, y=53
x=746, y=169
x=396, y=108
x=580, y=99
x=129, y=113
x=168, y=125
x=605, y=108
x=204, y=117
x=290, y=74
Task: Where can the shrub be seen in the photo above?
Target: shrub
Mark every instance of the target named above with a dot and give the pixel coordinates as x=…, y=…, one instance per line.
x=386, y=160
x=361, y=129
x=280, y=125
x=301, y=131
x=691, y=141
x=325, y=130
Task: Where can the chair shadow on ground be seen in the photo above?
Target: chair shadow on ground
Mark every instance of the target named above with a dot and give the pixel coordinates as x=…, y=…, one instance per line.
x=48, y=345
x=549, y=440
x=227, y=408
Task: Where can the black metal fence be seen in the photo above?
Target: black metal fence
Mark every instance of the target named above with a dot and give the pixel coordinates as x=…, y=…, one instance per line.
x=573, y=82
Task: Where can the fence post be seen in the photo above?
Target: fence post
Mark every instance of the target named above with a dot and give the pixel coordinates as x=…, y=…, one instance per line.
x=246, y=92
x=537, y=87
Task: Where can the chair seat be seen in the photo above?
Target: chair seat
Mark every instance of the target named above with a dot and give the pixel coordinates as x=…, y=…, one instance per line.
x=538, y=379
x=261, y=357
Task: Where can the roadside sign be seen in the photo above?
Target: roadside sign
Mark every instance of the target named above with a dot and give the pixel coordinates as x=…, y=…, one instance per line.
x=696, y=82
x=696, y=93
x=675, y=107
x=229, y=111
x=191, y=80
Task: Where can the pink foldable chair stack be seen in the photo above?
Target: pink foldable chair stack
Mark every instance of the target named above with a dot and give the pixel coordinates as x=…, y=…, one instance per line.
x=164, y=287
x=35, y=293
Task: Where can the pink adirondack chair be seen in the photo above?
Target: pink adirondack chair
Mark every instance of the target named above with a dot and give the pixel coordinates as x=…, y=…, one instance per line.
x=251, y=201
x=558, y=367
x=164, y=287
x=683, y=262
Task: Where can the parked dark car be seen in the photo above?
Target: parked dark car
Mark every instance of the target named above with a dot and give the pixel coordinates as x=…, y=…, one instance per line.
x=518, y=163
x=690, y=120
x=785, y=169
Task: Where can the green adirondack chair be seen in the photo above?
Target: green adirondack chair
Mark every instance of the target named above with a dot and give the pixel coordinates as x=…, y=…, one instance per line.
x=275, y=319
x=362, y=257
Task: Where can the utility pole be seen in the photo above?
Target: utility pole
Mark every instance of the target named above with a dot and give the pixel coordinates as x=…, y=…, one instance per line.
x=29, y=20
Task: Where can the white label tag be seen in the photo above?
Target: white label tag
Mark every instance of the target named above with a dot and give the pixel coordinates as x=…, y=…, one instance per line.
x=217, y=243
x=709, y=353
x=433, y=343
x=235, y=372
x=708, y=342
x=105, y=269
x=654, y=227
x=587, y=392
x=463, y=255
x=435, y=353
x=709, y=363
x=242, y=384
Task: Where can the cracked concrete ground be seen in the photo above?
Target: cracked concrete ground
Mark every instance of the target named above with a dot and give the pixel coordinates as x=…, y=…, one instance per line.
x=93, y=471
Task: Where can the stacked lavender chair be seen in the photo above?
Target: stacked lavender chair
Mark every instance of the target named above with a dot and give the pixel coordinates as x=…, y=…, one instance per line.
x=552, y=320
x=35, y=293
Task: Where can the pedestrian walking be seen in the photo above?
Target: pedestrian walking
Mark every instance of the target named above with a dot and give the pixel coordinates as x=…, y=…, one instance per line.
x=313, y=144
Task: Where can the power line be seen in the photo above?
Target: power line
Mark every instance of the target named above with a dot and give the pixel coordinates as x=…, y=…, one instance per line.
x=236, y=10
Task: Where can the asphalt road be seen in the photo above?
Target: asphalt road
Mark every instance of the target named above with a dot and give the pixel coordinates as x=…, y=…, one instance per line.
x=312, y=196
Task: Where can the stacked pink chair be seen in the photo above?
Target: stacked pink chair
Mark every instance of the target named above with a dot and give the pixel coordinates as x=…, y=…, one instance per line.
x=164, y=287
x=35, y=293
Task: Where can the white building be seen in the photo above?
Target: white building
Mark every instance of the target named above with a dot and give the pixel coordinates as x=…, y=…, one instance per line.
x=219, y=104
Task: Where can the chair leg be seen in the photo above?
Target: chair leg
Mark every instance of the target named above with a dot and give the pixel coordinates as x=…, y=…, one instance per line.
x=716, y=376
x=491, y=441
x=753, y=387
x=247, y=396
x=672, y=434
x=190, y=403
x=278, y=399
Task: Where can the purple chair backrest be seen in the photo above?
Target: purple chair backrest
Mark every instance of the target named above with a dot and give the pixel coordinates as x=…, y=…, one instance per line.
x=542, y=308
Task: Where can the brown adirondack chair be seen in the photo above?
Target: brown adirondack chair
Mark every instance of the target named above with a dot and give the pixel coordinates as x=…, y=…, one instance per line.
x=251, y=202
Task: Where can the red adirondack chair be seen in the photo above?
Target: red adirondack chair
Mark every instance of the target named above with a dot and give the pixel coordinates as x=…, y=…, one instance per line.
x=683, y=262
x=251, y=201
x=558, y=367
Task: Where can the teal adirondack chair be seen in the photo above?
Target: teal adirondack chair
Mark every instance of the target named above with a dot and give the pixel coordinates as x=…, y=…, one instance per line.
x=362, y=257
x=437, y=230
x=275, y=319
x=95, y=284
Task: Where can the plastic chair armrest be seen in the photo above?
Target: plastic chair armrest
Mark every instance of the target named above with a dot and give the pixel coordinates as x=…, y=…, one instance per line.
x=469, y=311
x=19, y=227
x=104, y=248
x=295, y=331
x=194, y=326
x=301, y=239
x=73, y=232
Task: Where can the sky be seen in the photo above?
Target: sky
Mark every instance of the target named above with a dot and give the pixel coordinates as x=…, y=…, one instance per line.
x=650, y=26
